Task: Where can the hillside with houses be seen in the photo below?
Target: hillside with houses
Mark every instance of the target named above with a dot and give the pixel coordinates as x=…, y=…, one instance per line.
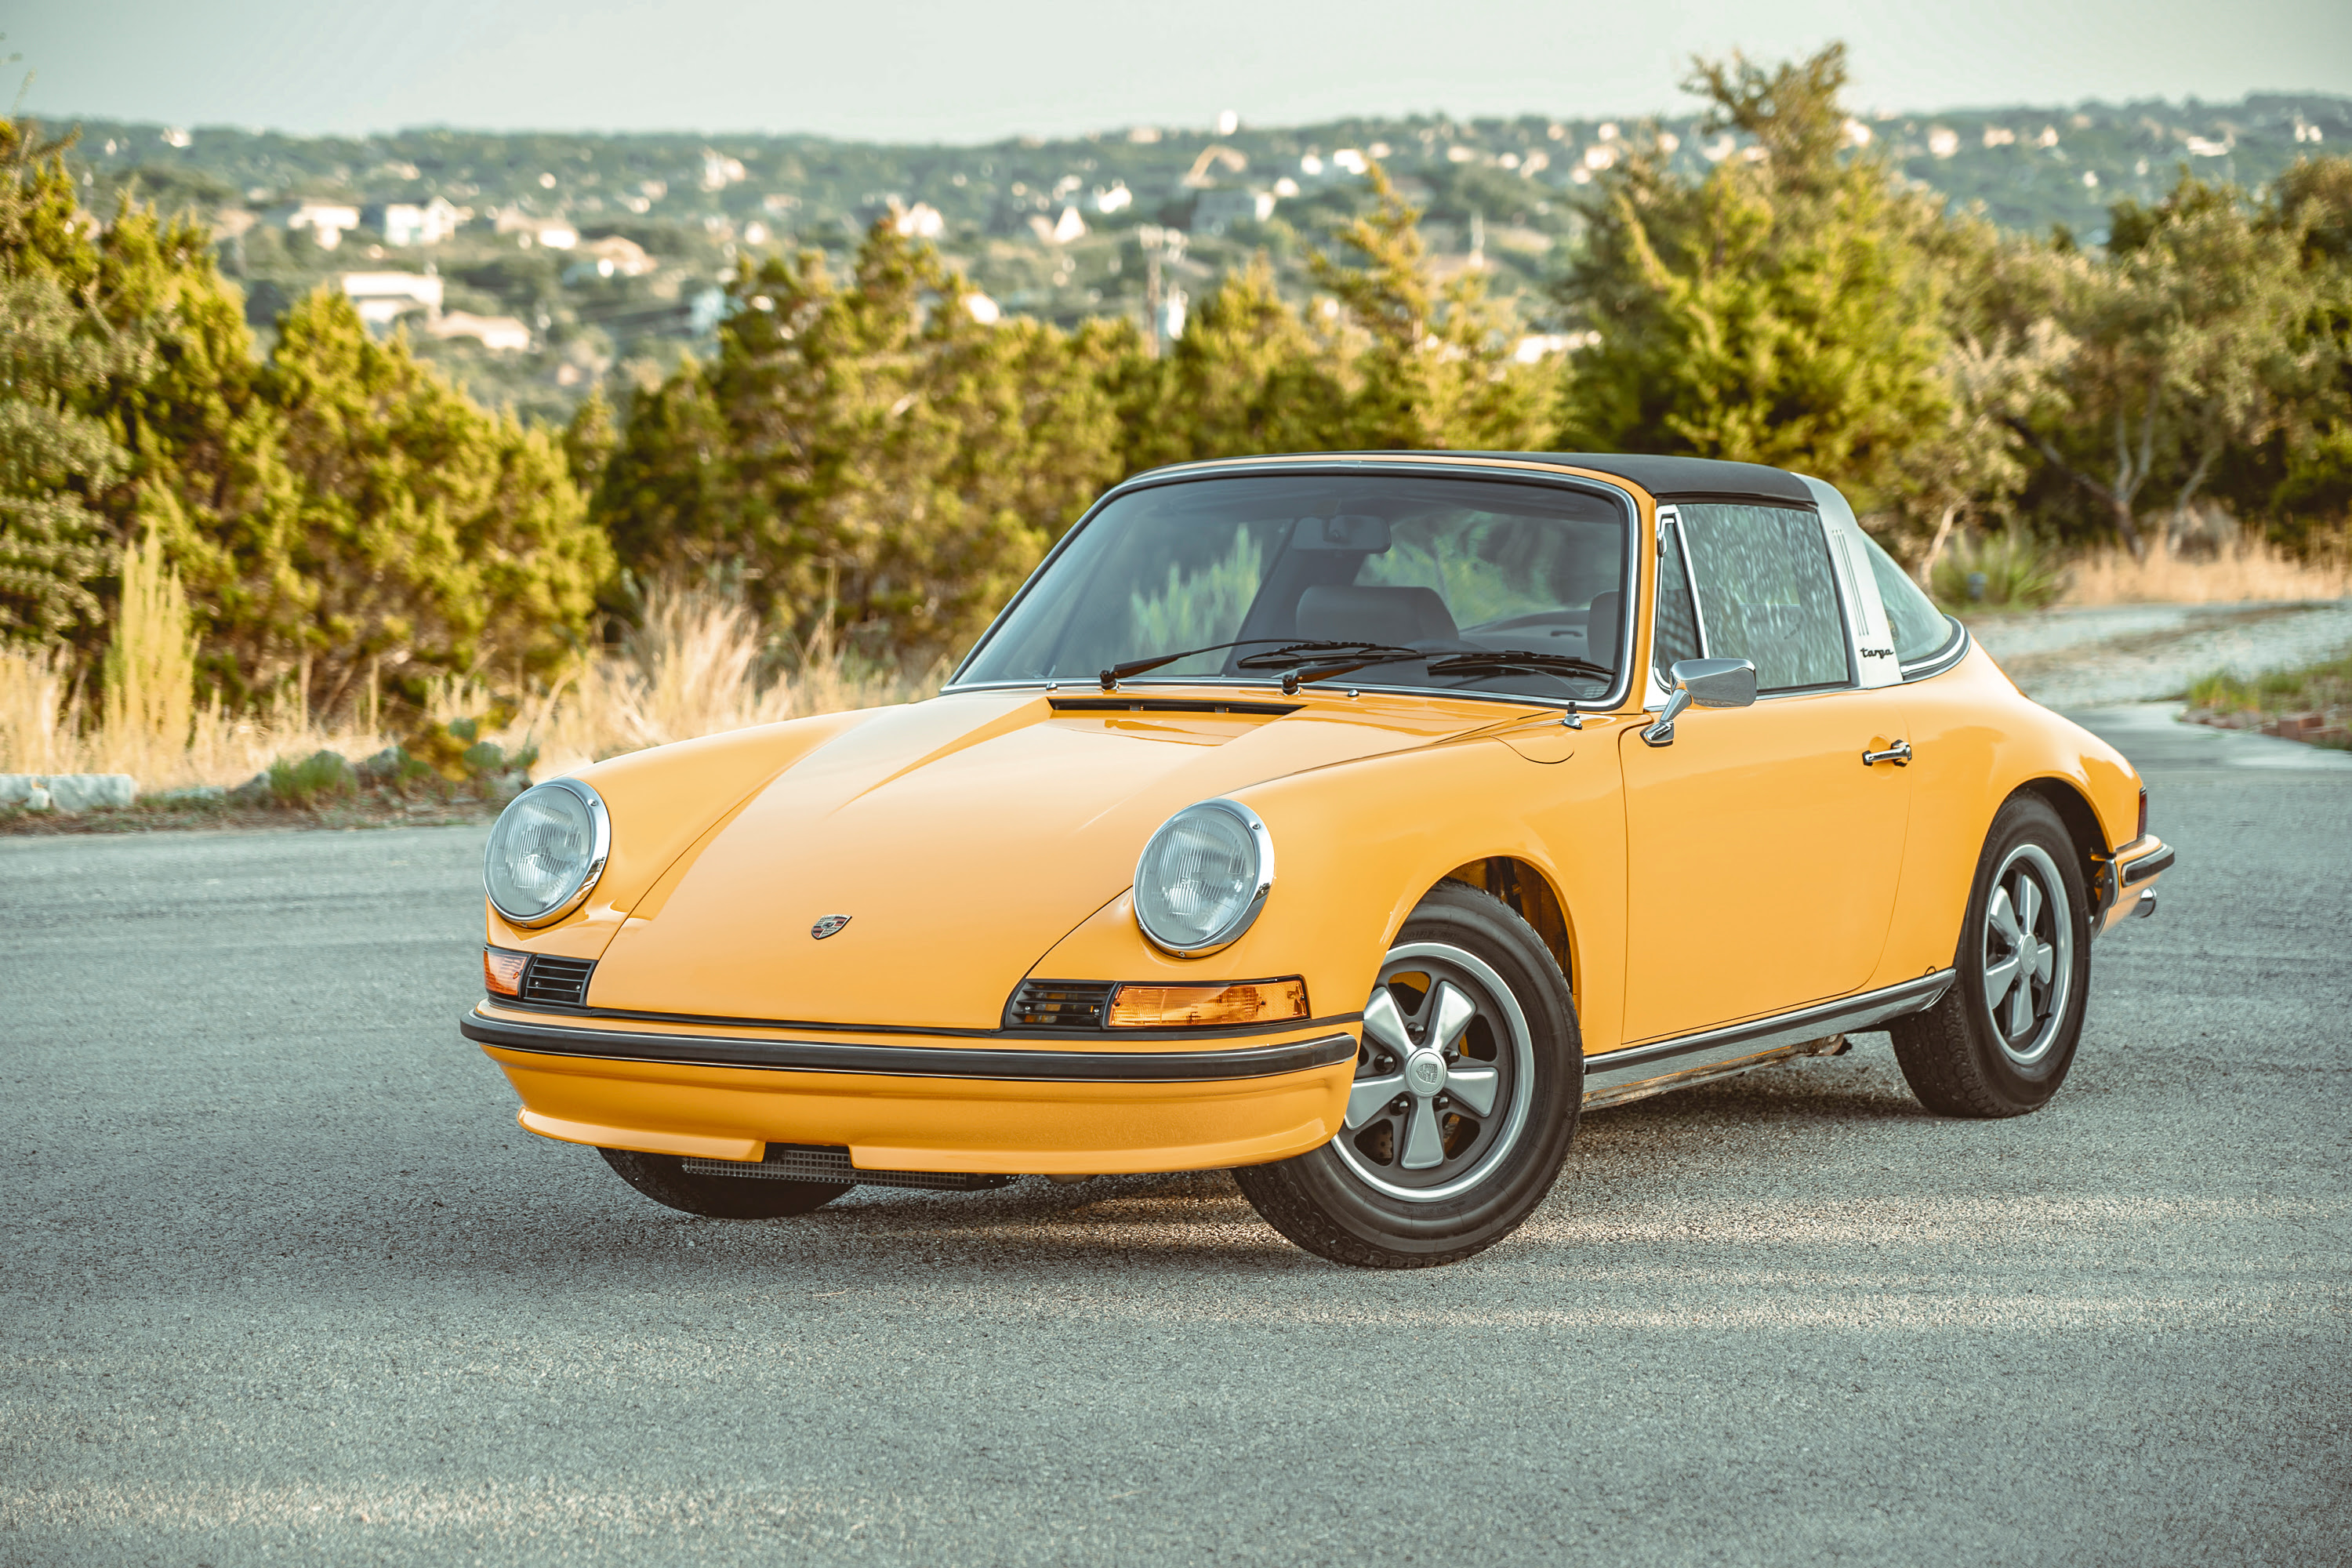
x=536, y=266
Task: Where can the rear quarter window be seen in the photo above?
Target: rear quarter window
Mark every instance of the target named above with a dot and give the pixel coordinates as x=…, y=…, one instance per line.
x=1921, y=629
x=1766, y=593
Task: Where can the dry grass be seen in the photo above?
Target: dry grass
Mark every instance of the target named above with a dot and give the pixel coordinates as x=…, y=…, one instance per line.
x=2248, y=568
x=35, y=700
x=145, y=720
x=46, y=727
x=696, y=667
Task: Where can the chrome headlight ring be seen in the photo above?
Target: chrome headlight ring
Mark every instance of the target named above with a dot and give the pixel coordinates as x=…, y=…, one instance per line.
x=1217, y=829
x=598, y=826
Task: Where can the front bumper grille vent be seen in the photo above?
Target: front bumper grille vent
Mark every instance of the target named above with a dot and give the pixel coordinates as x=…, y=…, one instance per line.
x=560, y=981
x=830, y=1163
x=1059, y=1005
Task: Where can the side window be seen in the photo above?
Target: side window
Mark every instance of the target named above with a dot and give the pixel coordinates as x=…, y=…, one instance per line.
x=1920, y=629
x=1677, y=634
x=1766, y=593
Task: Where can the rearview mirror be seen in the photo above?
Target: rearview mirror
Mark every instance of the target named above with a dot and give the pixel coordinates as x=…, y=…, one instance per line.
x=1703, y=683
x=1348, y=530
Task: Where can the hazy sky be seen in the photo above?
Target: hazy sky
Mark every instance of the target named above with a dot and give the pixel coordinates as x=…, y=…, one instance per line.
x=959, y=71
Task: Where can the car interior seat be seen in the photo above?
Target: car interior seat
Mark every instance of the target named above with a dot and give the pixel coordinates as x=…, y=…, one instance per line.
x=1600, y=628
x=1375, y=615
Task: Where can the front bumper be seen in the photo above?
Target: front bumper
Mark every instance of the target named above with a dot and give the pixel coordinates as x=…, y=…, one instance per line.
x=2125, y=887
x=925, y=1102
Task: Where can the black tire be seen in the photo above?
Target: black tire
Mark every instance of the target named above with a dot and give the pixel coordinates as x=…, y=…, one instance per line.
x=1327, y=1200
x=665, y=1179
x=1959, y=1057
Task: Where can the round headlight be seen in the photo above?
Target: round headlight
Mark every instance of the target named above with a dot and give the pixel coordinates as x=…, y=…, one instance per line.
x=1203, y=878
x=546, y=852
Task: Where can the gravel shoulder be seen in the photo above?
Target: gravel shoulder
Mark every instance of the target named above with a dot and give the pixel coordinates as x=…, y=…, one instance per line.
x=2093, y=657
x=281, y=1279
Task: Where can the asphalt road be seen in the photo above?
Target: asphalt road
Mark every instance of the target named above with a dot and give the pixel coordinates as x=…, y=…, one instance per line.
x=281, y=1279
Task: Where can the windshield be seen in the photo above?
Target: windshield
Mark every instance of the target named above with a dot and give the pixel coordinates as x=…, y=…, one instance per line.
x=1448, y=579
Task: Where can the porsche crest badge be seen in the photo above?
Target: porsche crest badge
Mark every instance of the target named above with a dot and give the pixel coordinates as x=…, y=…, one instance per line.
x=829, y=926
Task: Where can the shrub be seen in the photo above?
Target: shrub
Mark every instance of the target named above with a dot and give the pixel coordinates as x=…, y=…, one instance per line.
x=2327, y=684
x=321, y=776
x=2009, y=571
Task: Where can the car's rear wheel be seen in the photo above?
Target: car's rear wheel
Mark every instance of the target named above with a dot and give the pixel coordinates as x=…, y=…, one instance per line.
x=2001, y=1039
x=1467, y=1088
x=665, y=1179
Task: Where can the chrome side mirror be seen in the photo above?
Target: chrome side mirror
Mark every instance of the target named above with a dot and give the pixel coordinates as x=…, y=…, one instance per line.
x=1703, y=683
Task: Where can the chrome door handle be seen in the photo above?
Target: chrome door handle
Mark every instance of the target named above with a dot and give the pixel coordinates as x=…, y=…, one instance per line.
x=1899, y=753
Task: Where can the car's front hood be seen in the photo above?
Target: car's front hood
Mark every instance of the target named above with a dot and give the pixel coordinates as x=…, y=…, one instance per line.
x=962, y=838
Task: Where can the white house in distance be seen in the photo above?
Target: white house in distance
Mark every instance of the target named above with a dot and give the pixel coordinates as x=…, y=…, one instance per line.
x=1067, y=229
x=615, y=256
x=382, y=297
x=1216, y=211
x=500, y=334
x=719, y=170
x=327, y=221
x=554, y=233
x=408, y=222
x=921, y=221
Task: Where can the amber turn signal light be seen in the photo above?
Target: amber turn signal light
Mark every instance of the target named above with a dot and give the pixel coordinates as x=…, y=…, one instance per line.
x=1201, y=1006
x=502, y=971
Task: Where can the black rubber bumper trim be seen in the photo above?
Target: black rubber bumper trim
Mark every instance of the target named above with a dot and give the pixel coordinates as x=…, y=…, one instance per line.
x=914, y=1061
x=725, y=1021
x=2140, y=870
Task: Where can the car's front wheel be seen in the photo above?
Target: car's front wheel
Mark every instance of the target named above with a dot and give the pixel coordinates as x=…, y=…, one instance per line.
x=665, y=1179
x=1467, y=1088
x=2000, y=1041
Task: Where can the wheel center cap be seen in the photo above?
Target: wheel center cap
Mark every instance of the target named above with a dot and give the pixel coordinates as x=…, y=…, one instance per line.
x=1424, y=1071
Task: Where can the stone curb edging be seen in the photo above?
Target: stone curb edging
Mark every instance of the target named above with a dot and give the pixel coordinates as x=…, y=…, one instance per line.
x=2328, y=727
x=67, y=794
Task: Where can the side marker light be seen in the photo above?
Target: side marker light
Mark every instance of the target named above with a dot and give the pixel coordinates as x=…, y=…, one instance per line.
x=1206, y=1006
x=502, y=971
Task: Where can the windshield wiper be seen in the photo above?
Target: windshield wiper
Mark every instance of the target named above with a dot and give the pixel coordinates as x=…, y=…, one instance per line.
x=1519, y=659
x=1358, y=656
x=1340, y=658
x=1273, y=660
x=1276, y=658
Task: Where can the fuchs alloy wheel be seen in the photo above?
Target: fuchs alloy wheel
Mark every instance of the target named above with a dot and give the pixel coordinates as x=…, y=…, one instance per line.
x=2001, y=1039
x=1466, y=1095
x=665, y=1179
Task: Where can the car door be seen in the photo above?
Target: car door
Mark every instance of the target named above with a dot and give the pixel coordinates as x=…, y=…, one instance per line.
x=1763, y=851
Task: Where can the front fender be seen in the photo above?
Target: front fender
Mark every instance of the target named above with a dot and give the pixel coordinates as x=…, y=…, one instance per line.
x=662, y=799
x=1357, y=846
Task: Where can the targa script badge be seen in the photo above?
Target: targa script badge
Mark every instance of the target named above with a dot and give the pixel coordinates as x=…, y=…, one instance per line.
x=830, y=926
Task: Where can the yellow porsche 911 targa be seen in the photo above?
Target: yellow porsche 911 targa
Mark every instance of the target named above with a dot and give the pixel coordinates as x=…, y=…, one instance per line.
x=1348, y=822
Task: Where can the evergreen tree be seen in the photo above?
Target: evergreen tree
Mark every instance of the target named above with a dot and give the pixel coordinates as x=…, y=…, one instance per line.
x=2185, y=345
x=1437, y=368
x=1782, y=309
x=430, y=533
x=589, y=440
x=1248, y=376
x=54, y=457
x=864, y=451
x=2301, y=479
x=338, y=509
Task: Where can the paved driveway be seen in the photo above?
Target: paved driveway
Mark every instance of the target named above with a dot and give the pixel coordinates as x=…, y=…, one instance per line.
x=281, y=1279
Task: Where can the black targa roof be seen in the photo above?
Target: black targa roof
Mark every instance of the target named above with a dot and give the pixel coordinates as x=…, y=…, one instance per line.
x=1667, y=478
